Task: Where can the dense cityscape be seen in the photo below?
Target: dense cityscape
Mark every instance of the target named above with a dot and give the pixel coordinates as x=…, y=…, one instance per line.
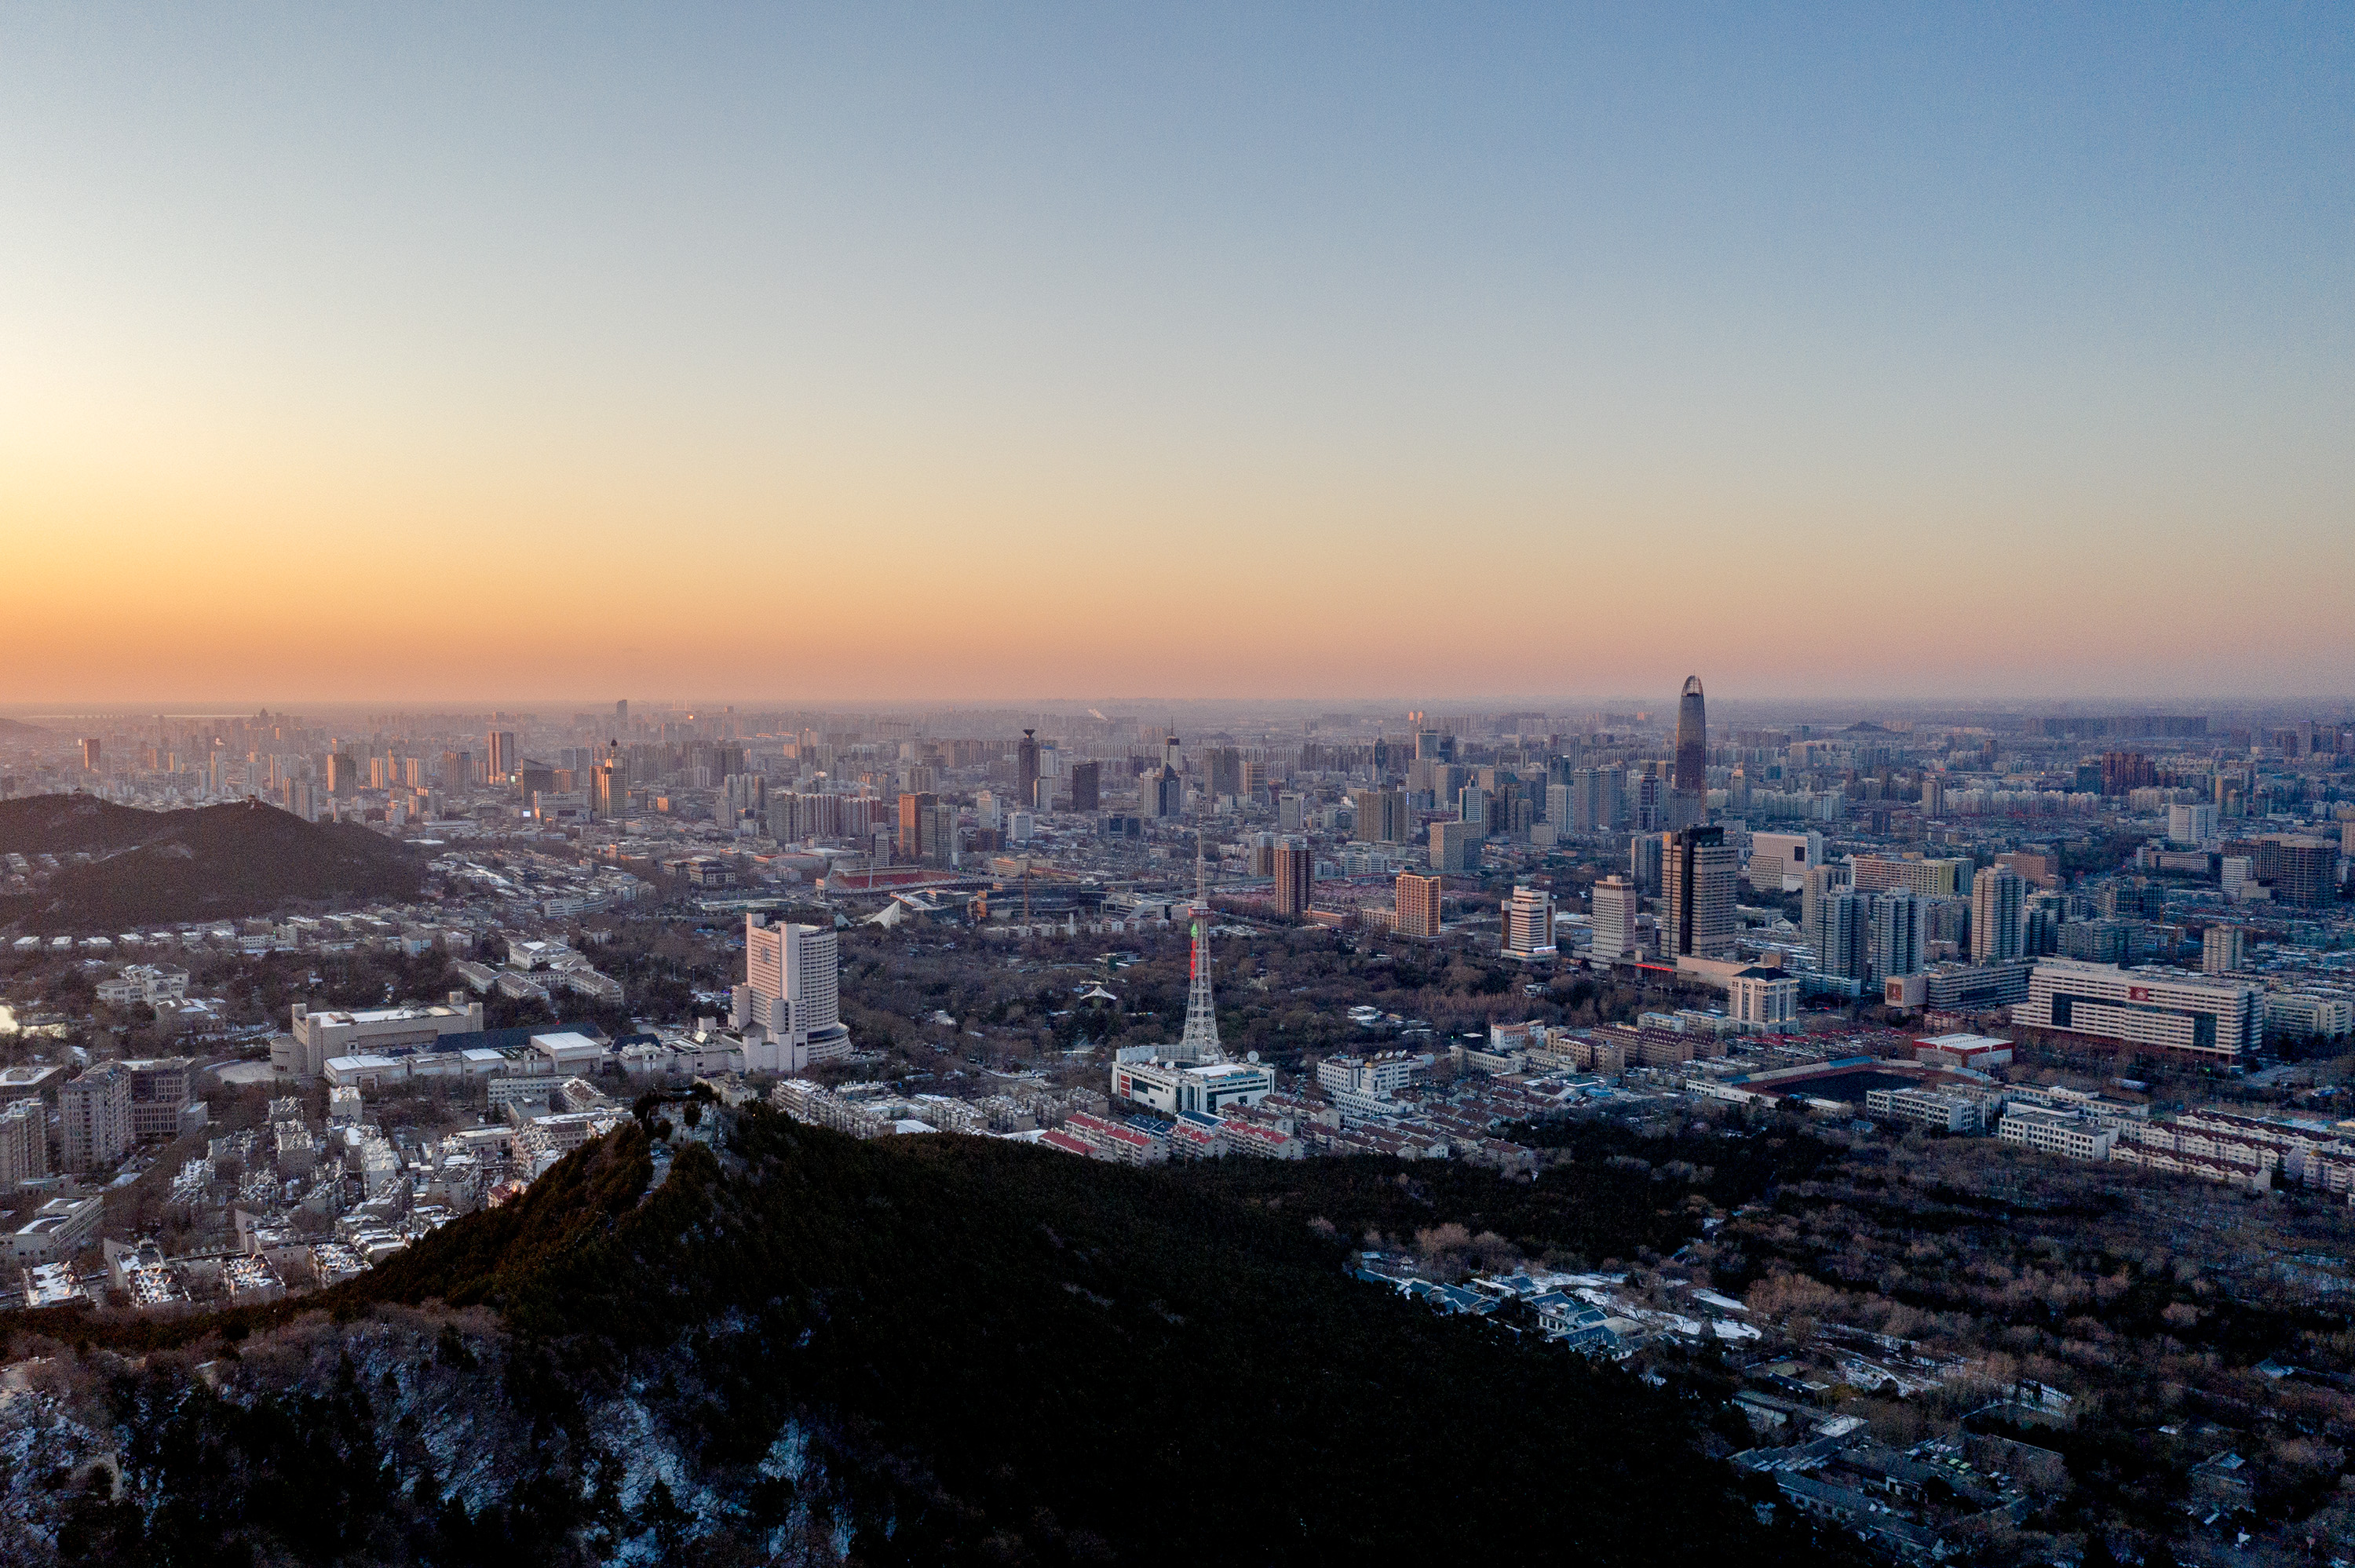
x=2079, y=951
x=1132, y=787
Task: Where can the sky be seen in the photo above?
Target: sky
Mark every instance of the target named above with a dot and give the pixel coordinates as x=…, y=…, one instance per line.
x=446, y=352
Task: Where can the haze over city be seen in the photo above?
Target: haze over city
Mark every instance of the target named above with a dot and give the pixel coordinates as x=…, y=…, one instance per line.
x=1224, y=352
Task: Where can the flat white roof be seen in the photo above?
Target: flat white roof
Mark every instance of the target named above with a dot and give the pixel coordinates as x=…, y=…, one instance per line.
x=567, y=1040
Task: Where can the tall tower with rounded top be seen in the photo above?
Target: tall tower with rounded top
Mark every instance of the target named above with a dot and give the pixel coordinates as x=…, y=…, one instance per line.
x=1692, y=739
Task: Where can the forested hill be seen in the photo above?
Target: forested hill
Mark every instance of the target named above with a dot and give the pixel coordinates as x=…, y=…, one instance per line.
x=952, y=1349
x=204, y=863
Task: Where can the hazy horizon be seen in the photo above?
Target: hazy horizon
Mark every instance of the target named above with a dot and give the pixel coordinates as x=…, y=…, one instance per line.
x=1236, y=350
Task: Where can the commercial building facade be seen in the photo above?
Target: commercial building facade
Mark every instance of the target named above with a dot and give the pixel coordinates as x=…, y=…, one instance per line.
x=2208, y=1019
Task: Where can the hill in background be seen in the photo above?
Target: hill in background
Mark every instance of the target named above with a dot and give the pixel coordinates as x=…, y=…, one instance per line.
x=205, y=864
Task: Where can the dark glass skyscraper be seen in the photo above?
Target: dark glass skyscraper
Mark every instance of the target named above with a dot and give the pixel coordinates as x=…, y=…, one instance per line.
x=1692, y=739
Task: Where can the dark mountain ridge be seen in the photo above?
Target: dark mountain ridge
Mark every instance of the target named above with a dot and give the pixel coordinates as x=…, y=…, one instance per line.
x=203, y=863
x=932, y=1350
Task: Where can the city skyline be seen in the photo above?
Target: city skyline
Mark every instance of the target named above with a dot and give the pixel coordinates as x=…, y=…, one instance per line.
x=1229, y=353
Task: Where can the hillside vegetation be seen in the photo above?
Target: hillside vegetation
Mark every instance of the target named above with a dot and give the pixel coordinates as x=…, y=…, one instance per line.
x=204, y=863
x=921, y=1350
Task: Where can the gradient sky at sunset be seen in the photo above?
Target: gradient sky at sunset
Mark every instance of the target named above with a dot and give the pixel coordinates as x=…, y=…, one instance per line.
x=418, y=353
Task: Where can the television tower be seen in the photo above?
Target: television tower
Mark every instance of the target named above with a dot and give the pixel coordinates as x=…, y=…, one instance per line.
x=1200, y=1040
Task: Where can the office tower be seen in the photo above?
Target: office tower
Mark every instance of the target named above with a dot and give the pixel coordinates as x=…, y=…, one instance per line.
x=24, y=1142
x=987, y=810
x=499, y=757
x=1454, y=846
x=1697, y=869
x=1557, y=807
x=94, y=1113
x=1086, y=789
x=1648, y=808
x=343, y=776
x=1528, y=923
x=791, y=987
x=1255, y=782
x=2041, y=921
x=1417, y=913
x=1843, y=936
x=1160, y=793
x=1597, y=800
x=1896, y=935
x=1295, y=877
x=1026, y=768
x=1289, y=810
x=622, y=713
x=2223, y=950
x=609, y=789
x=1644, y=861
x=940, y=838
x=1997, y=896
x=1472, y=810
x=1226, y=766
x=1382, y=816
x=916, y=829
x=1692, y=738
x=1429, y=746
x=90, y=751
x=1614, y=900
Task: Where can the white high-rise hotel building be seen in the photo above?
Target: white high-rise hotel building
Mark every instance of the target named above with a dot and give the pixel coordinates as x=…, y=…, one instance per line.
x=789, y=1008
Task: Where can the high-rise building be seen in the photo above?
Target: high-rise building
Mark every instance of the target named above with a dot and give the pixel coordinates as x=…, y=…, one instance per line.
x=2223, y=949
x=1026, y=768
x=1472, y=809
x=1614, y=900
x=1697, y=869
x=792, y=993
x=1692, y=739
x=2191, y=824
x=499, y=758
x=343, y=776
x=91, y=752
x=1225, y=766
x=1417, y=911
x=24, y=1142
x=1289, y=810
x=1382, y=817
x=1528, y=923
x=1644, y=861
x=1998, y=899
x=1454, y=846
x=1843, y=936
x=622, y=713
x=1086, y=788
x=95, y=1117
x=1896, y=935
x=1295, y=877
x=2127, y=770
x=917, y=829
x=609, y=788
x=1934, y=796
